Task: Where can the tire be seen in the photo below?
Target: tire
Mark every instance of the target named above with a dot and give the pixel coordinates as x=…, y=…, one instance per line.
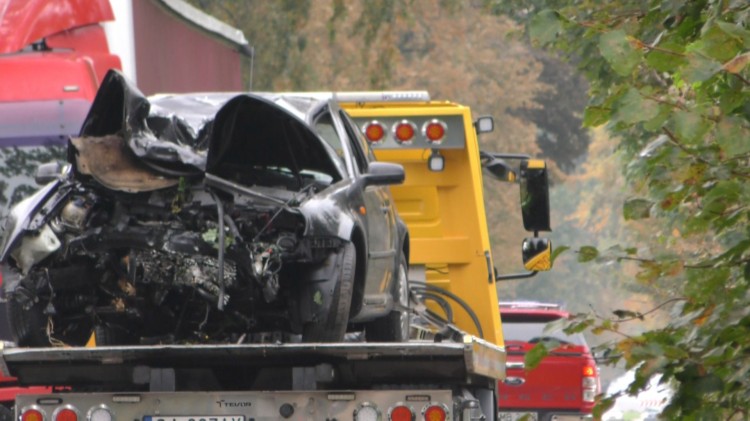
x=333, y=327
x=395, y=326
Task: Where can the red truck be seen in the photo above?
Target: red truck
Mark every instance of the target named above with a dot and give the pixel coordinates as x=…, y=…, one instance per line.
x=566, y=382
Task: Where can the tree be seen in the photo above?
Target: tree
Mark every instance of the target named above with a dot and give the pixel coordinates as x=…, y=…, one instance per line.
x=670, y=79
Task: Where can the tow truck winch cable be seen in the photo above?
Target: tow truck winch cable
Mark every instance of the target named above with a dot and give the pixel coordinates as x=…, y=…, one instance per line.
x=421, y=287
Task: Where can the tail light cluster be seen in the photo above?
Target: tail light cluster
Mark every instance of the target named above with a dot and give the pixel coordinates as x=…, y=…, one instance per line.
x=66, y=413
x=405, y=132
x=590, y=383
x=431, y=411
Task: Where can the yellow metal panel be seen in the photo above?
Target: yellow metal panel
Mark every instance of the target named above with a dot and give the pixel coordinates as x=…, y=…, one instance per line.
x=445, y=213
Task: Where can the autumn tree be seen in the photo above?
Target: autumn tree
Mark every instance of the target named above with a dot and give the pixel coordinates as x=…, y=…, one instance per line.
x=670, y=80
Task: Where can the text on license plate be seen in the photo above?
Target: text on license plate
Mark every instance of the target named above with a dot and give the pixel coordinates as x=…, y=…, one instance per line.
x=194, y=418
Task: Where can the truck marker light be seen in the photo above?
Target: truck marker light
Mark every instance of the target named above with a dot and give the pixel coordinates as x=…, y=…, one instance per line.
x=65, y=413
x=434, y=130
x=99, y=413
x=434, y=412
x=401, y=413
x=49, y=401
x=32, y=414
x=367, y=412
x=404, y=132
x=374, y=132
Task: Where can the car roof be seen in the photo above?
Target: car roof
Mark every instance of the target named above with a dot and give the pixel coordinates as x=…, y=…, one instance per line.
x=533, y=308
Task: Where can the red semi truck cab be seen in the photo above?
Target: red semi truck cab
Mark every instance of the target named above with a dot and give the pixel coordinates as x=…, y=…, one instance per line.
x=564, y=385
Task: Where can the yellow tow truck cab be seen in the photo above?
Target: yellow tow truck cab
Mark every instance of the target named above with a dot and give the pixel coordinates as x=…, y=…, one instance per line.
x=441, y=199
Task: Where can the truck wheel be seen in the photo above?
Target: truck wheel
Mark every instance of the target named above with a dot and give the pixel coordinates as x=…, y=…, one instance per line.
x=396, y=325
x=333, y=327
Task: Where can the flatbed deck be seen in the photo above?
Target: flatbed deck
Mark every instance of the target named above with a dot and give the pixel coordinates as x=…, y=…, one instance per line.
x=283, y=366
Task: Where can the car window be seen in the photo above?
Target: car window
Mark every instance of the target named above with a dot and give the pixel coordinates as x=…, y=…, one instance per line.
x=355, y=134
x=358, y=154
x=324, y=127
x=530, y=329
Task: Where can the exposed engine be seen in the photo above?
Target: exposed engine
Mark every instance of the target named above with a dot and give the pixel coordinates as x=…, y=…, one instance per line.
x=177, y=265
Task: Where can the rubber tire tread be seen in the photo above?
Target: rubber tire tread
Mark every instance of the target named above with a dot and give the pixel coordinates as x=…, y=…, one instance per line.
x=334, y=327
x=388, y=328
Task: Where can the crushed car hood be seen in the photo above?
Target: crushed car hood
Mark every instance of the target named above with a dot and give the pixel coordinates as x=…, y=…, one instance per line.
x=189, y=135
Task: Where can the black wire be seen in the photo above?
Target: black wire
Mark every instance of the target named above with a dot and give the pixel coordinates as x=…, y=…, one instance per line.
x=462, y=303
x=444, y=305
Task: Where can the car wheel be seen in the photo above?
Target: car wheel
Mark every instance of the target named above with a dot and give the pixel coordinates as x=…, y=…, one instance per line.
x=332, y=327
x=396, y=325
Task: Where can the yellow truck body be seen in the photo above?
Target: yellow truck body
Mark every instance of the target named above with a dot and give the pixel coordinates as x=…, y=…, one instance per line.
x=444, y=210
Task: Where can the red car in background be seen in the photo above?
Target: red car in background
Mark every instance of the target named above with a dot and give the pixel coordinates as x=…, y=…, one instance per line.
x=564, y=385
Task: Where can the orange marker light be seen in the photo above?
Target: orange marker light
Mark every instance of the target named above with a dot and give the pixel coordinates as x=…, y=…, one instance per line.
x=434, y=413
x=434, y=131
x=404, y=132
x=32, y=415
x=363, y=210
x=374, y=132
x=589, y=371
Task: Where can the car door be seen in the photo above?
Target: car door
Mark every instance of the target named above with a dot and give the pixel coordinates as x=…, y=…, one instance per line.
x=380, y=219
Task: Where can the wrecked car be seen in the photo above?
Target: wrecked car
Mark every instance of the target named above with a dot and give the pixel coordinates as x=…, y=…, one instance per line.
x=208, y=218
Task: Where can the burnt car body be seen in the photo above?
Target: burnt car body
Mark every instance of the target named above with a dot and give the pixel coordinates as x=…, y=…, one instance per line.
x=206, y=218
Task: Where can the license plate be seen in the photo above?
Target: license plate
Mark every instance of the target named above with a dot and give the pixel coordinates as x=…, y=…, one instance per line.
x=517, y=416
x=194, y=418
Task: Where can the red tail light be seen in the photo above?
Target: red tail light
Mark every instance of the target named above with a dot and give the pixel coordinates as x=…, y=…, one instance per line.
x=401, y=413
x=404, y=132
x=434, y=130
x=66, y=414
x=434, y=413
x=589, y=371
x=374, y=132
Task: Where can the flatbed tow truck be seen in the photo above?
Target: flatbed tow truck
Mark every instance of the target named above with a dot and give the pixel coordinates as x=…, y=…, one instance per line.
x=448, y=372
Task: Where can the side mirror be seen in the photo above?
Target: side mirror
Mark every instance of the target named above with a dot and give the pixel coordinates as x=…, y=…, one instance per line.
x=384, y=174
x=47, y=173
x=537, y=254
x=485, y=124
x=535, y=195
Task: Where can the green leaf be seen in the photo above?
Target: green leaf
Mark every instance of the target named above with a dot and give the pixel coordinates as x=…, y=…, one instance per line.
x=690, y=126
x=544, y=27
x=636, y=208
x=717, y=44
x=735, y=30
x=587, y=253
x=633, y=108
x=667, y=58
x=700, y=68
x=535, y=356
x=732, y=135
x=558, y=251
x=618, y=51
x=594, y=116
